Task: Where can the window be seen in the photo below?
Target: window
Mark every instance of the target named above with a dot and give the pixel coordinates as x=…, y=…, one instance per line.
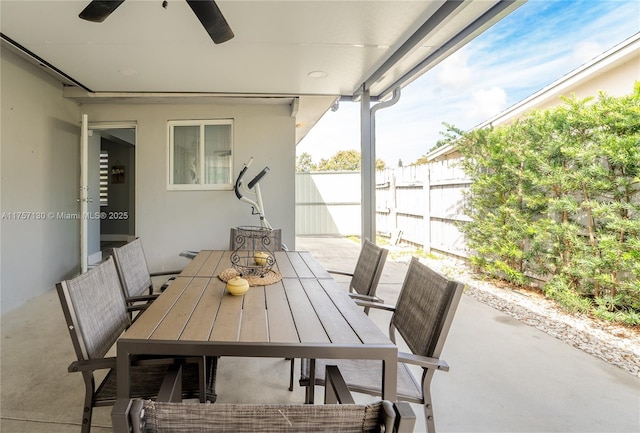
x=200, y=154
x=104, y=177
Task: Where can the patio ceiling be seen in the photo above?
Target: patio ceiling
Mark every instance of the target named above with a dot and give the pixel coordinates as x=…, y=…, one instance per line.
x=313, y=51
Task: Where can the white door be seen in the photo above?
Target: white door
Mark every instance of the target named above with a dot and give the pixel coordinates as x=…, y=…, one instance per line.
x=89, y=199
x=84, y=193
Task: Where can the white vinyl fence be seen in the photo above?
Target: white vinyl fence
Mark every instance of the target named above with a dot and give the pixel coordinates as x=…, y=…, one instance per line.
x=423, y=204
x=328, y=203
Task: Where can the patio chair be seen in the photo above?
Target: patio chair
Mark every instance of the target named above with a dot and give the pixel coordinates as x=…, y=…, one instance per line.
x=135, y=276
x=275, y=245
x=275, y=239
x=139, y=292
x=338, y=415
x=96, y=314
x=422, y=317
x=366, y=274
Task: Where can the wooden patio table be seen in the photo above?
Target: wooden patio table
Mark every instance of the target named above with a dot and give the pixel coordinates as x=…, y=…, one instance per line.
x=304, y=315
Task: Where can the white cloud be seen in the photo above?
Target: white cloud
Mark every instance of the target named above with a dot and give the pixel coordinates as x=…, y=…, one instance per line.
x=536, y=45
x=585, y=51
x=455, y=72
x=489, y=102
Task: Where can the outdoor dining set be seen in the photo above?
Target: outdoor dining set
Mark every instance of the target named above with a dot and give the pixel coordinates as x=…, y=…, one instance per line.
x=169, y=339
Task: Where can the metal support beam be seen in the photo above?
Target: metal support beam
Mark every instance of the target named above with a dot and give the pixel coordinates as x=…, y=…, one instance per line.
x=447, y=9
x=487, y=19
x=367, y=169
x=368, y=162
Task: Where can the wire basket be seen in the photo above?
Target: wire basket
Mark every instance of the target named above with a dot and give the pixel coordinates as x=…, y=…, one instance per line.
x=252, y=251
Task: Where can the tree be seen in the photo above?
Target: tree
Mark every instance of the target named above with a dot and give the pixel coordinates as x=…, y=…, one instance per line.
x=304, y=163
x=451, y=135
x=557, y=194
x=346, y=160
x=343, y=160
x=420, y=161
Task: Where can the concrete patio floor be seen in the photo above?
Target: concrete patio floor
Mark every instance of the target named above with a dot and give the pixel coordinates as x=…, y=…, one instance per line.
x=505, y=376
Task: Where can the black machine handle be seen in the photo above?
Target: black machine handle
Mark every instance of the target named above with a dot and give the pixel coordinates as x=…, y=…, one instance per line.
x=258, y=177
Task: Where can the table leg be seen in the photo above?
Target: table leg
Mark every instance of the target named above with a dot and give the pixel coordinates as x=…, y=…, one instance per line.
x=311, y=388
x=124, y=374
x=390, y=379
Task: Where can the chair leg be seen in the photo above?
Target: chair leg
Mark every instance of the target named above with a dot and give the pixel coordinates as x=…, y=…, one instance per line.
x=309, y=394
x=428, y=416
x=202, y=379
x=428, y=403
x=292, y=372
x=87, y=411
x=86, y=418
x=212, y=369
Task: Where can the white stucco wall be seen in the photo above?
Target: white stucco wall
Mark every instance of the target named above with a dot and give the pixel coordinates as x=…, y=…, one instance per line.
x=171, y=221
x=40, y=174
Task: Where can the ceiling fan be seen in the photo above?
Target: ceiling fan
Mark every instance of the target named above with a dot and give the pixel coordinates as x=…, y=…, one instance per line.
x=207, y=12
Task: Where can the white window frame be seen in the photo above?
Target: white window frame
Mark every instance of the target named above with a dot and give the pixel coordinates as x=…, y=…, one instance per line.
x=171, y=186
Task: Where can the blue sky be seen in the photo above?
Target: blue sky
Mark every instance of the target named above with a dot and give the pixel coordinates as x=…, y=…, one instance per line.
x=535, y=45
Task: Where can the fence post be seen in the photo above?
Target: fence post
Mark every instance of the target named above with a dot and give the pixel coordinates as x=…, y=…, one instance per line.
x=426, y=190
x=393, y=211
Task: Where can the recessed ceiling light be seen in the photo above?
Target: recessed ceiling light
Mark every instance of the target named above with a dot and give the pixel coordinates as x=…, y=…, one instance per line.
x=317, y=74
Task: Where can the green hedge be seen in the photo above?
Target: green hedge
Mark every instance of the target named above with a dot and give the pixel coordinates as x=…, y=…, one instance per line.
x=557, y=195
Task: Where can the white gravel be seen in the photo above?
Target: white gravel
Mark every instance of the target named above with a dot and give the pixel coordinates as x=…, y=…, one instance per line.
x=614, y=344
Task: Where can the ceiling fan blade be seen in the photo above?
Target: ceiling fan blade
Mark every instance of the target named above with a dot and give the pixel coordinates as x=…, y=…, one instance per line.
x=212, y=19
x=98, y=10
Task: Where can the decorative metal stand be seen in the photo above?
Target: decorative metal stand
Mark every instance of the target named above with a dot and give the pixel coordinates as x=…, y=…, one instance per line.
x=253, y=252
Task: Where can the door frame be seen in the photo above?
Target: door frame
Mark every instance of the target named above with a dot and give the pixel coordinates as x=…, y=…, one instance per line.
x=85, y=169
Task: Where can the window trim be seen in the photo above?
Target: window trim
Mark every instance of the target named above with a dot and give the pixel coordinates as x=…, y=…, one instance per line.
x=170, y=156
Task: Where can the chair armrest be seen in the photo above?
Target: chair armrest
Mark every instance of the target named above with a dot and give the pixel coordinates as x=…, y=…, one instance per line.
x=142, y=298
x=166, y=284
x=405, y=417
x=188, y=254
x=377, y=305
x=92, y=364
x=136, y=307
x=336, y=390
x=348, y=274
x=423, y=361
x=110, y=362
x=358, y=296
x=163, y=273
x=398, y=417
x=126, y=415
x=120, y=415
